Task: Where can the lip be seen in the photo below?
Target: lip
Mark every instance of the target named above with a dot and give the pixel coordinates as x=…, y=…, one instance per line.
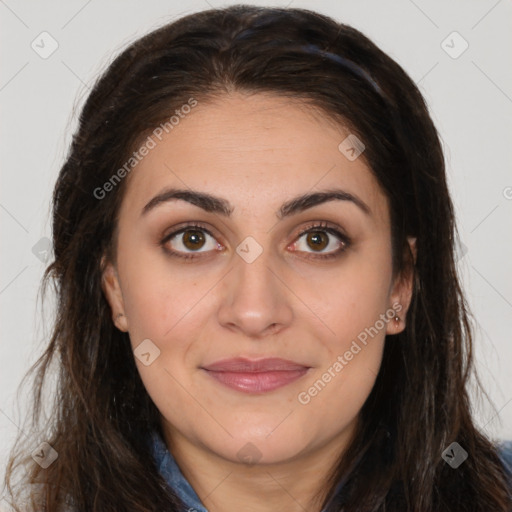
x=255, y=376
x=242, y=364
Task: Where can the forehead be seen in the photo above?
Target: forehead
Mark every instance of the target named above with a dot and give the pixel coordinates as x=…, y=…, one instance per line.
x=256, y=151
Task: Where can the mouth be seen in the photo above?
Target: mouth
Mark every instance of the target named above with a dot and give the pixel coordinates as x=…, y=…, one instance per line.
x=258, y=376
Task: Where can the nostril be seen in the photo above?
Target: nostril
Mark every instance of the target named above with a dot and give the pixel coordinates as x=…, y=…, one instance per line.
x=272, y=328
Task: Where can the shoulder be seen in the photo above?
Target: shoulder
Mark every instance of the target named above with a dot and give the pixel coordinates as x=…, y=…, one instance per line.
x=505, y=452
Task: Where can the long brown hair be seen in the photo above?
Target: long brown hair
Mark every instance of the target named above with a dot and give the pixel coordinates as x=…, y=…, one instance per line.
x=101, y=413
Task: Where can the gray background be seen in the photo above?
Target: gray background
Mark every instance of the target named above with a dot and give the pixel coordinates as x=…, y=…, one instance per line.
x=470, y=98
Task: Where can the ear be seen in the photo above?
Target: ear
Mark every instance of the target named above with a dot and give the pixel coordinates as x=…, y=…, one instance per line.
x=401, y=294
x=113, y=294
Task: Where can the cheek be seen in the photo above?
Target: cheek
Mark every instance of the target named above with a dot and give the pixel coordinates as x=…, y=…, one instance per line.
x=353, y=304
x=352, y=358
x=337, y=394
x=349, y=299
x=157, y=297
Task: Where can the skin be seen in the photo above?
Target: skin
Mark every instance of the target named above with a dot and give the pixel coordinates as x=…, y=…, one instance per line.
x=257, y=152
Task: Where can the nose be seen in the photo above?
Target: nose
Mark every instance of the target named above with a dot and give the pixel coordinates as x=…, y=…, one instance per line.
x=255, y=300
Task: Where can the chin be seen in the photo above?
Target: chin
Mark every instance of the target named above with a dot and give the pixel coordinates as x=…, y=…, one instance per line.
x=251, y=446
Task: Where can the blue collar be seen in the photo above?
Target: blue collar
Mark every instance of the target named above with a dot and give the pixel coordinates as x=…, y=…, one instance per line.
x=174, y=477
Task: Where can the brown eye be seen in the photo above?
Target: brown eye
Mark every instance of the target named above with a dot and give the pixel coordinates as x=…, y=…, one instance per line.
x=189, y=242
x=193, y=239
x=317, y=240
x=322, y=241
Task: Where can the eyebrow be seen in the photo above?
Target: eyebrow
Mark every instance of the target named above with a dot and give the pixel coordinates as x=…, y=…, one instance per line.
x=221, y=206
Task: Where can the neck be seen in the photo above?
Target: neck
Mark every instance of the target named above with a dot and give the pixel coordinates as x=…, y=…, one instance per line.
x=224, y=485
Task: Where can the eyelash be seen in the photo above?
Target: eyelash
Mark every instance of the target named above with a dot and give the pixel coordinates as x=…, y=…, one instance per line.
x=313, y=227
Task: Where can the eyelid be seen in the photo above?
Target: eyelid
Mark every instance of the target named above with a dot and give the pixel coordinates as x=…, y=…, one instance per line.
x=182, y=228
x=185, y=226
x=323, y=225
x=312, y=226
x=332, y=229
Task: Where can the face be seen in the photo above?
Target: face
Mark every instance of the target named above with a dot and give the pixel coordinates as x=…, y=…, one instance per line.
x=259, y=276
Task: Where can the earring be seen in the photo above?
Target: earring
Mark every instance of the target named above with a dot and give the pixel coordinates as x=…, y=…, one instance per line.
x=119, y=315
x=397, y=319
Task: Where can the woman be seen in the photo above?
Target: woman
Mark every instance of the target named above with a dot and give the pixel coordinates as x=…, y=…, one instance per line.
x=258, y=300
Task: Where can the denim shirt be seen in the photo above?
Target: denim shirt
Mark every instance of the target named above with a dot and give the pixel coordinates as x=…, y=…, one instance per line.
x=172, y=474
